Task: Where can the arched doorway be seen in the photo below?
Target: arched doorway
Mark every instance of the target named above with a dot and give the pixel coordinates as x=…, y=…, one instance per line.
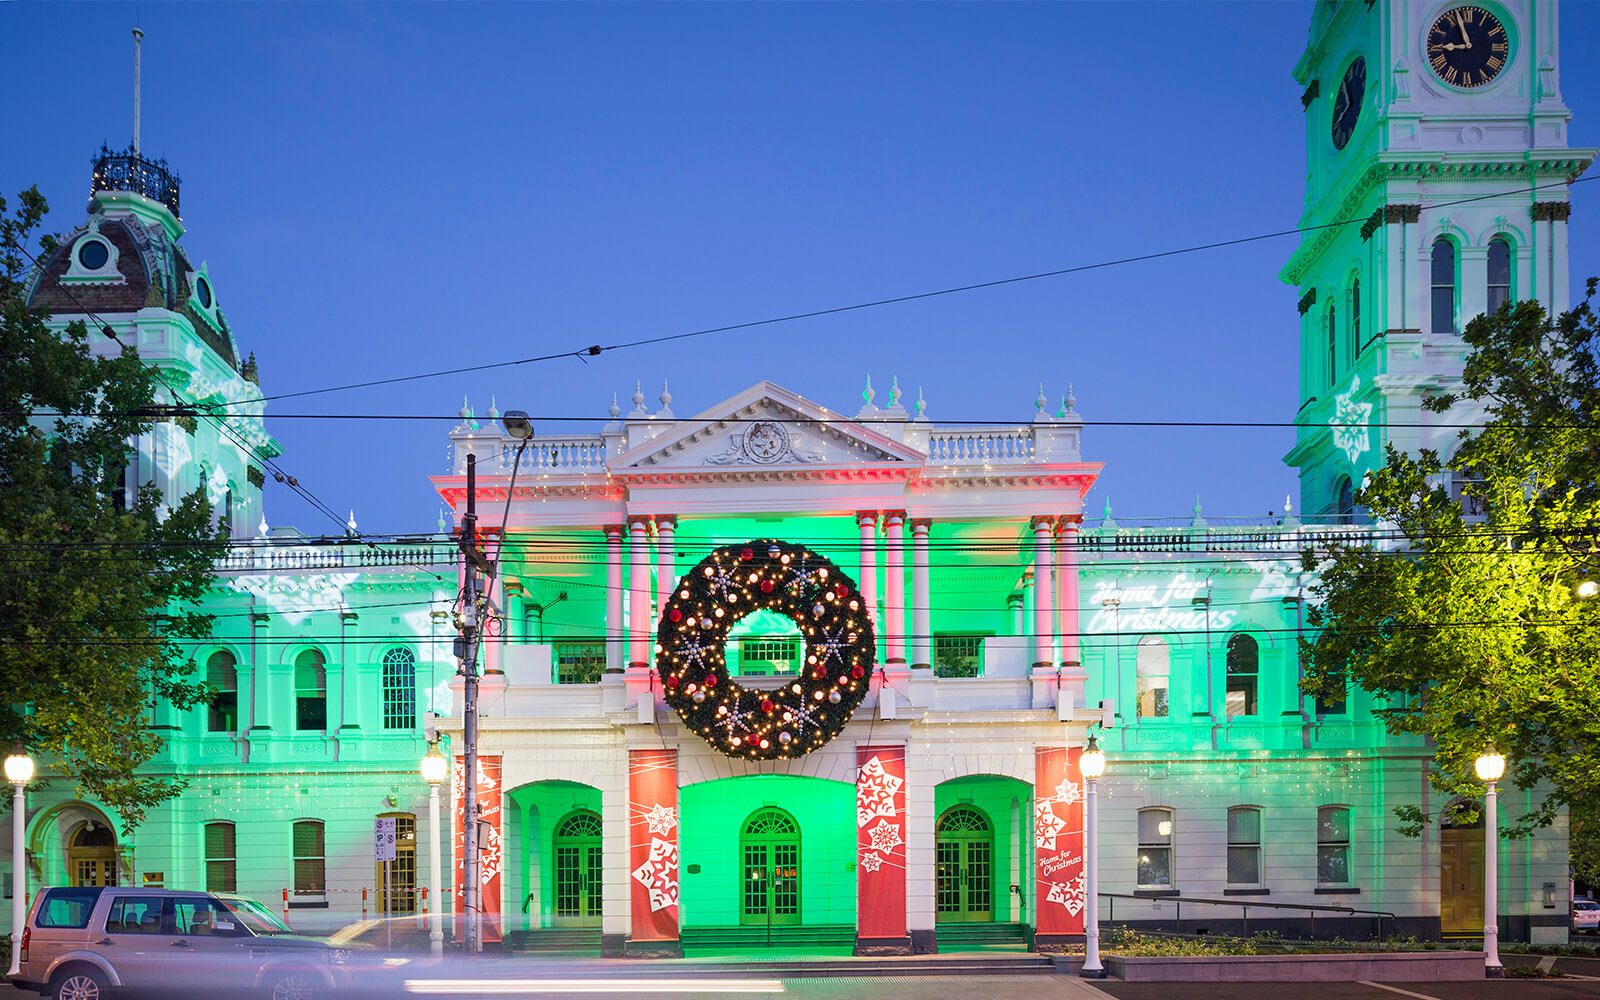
x=1461, y=872
x=577, y=870
x=92, y=855
x=769, y=850
x=964, y=866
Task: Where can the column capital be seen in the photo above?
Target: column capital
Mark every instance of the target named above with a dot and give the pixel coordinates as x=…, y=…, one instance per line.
x=898, y=516
x=667, y=521
x=612, y=529
x=866, y=517
x=640, y=521
x=921, y=524
x=1069, y=522
x=1038, y=521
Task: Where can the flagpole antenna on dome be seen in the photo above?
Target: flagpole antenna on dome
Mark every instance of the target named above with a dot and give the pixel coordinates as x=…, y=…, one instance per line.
x=138, y=37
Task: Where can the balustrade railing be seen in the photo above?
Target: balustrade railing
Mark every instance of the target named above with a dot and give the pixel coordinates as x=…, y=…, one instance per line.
x=116, y=170
x=566, y=454
x=1223, y=539
x=335, y=555
x=981, y=446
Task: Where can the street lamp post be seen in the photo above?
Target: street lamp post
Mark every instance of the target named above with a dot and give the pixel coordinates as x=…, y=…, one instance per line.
x=434, y=770
x=1490, y=766
x=19, y=771
x=1093, y=765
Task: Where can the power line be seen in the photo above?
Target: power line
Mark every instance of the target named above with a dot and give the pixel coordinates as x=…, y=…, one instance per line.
x=594, y=350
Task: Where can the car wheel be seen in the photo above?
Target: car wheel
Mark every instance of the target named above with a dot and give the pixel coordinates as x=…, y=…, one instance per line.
x=293, y=984
x=80, y=984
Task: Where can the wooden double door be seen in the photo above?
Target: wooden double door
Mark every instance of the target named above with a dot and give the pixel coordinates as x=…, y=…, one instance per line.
x=1461, y=874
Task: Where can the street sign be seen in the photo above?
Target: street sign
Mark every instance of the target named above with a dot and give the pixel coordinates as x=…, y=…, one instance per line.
x=383, y=838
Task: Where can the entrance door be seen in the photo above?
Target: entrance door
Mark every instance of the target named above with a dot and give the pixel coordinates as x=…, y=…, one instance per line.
x=769, y=850
x=577, y=863
x=964, y=867
x=92, y=856
x=1461, y=875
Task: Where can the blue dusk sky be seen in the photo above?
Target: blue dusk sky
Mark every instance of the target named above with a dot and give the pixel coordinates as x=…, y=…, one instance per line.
x=388, y=189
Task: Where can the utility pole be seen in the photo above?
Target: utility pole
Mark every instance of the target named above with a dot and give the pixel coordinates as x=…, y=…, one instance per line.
x=469, y=625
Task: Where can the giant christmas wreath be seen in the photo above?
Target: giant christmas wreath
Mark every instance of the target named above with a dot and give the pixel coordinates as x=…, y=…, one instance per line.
x=805, y=710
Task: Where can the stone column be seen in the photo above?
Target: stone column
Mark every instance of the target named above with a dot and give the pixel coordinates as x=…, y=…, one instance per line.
x=349, y=676
x=666, y=559
x=1069, y=603
x=613, y=598
x=921, y=606
x=894, y=588
x=1044, y=608
x=920, y=851
x=868, y=578
x=639, y=592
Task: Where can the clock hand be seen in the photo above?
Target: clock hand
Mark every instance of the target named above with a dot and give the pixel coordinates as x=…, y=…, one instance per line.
x=1463, y=26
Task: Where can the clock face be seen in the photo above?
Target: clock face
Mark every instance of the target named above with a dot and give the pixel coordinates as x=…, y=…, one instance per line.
x=765, y=442
x=1347, y=105
x=1467, y=47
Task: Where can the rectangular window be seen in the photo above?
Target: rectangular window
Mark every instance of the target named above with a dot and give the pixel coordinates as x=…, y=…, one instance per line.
x=1244, y=846
x=580, y=662
x=1152, y=673
x=768, y=657
x=958, y=655
x=310, y=691
x=222, y=866
x=222, y=674
x=1499, y=290
x=310, y=862
x=1333, y=845
x=134, y=915
x=1334, y=705
x=198, y=916
x=1442, y=275
x=1155, y=848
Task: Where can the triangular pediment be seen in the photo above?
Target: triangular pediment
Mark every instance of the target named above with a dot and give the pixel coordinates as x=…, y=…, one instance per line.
x=766, y=426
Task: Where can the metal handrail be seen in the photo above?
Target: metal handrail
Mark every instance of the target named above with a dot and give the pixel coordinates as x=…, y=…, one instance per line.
x=1244, y=906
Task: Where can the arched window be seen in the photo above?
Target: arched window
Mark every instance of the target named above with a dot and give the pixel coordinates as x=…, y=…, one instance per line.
x=1244, y=845
x=1155, y=848
x=1152, y=672
x=310, y=691
x=222, y=676
x=1499, y=273
x=399, y=689
x=222, y=865
x=1355, y=319
x=1442, y=271
x=769, y=848
x=963, y=866
x=1333, y=346
x=310, y=858
x=1344, y=502
x=1244, y=667
x=1333, y=845
x=225, y=517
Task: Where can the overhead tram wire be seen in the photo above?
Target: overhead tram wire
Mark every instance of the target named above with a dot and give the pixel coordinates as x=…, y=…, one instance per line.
x=594, y=350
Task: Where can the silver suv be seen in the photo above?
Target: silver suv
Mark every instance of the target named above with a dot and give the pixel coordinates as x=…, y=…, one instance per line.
x=85, y=943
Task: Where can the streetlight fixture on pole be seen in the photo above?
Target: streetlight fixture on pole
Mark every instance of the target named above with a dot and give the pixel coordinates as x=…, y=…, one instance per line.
x=1490, y=766
x=434, y=771
x=19, y=771
x=1093, y=764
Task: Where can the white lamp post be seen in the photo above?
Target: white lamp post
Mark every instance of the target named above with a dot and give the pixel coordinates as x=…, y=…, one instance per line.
x=1490, y=766
x=1093, y=765
x=19, y=771
x=435, y=768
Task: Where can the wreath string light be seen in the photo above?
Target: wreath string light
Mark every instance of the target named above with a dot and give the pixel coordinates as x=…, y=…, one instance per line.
x=805, y=710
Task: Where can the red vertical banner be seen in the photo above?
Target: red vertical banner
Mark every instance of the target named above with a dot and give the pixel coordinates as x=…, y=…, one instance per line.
x=653, y=844
x=880, y=847
x=490, y=851
x=1059, y=890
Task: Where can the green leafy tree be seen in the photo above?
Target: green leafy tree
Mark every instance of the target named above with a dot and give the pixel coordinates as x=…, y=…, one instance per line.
x=90, y=588
x=1474, y=630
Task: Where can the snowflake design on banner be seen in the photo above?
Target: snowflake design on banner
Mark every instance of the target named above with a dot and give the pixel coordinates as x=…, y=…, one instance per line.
x=1068, y=792
x=1069, y=894
x=1046, y=825
x=875, y=792
x=659, y=875
x=885, y=837
x=661, y=819
x=871, y=862
x=1349, y=422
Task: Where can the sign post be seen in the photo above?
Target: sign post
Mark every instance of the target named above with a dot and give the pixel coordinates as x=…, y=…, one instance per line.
x=383, y=847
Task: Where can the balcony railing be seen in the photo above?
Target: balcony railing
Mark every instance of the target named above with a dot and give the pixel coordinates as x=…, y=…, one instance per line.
x=335, y=554
x=566, y=454
x=1228, y=539
x=981, y=446
x=116, y=170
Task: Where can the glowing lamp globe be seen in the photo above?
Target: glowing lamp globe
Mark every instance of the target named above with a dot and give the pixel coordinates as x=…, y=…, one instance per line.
x=1490, y=765
x=435, y=768
x=19, y=767
x=1588, y=589
x=1093, y=760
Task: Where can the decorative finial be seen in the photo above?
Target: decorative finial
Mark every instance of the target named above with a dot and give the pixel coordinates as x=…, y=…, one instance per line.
x=615, y=411
x=466, y=408
x=666, y=396
x=1072, y=400
x=350, y=524
x=638, y=394
x=138, y=38
x=867, y=394
x=1062, y=412
x=441, y=525
x=1106, y=521
x=1039, y=401
x=922, y=404
x=1199, y=521
x=1197, y=505
x=262, y=528
x=894, y=391
x=1288, y=505
x=494, y=408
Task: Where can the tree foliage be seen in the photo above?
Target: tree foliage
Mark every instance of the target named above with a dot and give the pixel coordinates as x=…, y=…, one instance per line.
x=1473, y=631
x=92, y=591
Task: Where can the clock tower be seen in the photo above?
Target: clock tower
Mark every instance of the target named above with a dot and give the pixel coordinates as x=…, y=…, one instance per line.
x=1437, y=166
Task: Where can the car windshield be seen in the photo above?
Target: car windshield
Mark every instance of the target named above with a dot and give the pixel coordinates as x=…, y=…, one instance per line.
x=253, y=915
x=1586, y=904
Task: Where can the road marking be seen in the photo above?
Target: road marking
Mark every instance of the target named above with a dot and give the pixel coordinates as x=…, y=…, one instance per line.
x=1396, y=989
x=1074, y=986
x=1547, y=963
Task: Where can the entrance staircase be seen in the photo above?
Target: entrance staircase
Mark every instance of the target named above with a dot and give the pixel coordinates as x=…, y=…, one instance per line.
x=838, y=939
x=554, y=941
x=980, y=937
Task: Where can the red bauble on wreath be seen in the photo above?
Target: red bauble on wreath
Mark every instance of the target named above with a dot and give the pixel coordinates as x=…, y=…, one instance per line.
x=805, y=710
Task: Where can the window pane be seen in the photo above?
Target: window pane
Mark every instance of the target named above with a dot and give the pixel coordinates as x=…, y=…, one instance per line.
x=134, y=915
x=1244, y=826
x=1499, y=262
x=1155, y=866
x=1153, y=667
x=1333, y=864
x=1444, y=263
x=1244, y=865
x=1155, y=826
x=222, y=876
x=399, y=689
x=307, y=839
x=219, y=840
x=1241, y=698
x=580, y=662
x=309, y=875
x=1333, y=825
